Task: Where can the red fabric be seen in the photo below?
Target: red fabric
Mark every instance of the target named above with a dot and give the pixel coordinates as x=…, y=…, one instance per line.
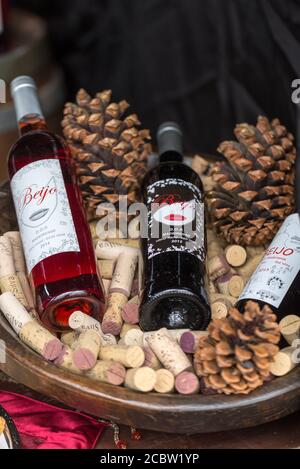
x=43, y=426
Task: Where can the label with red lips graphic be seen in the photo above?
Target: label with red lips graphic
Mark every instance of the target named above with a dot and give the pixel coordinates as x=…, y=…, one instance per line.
x=175, y=218
x=43, y=211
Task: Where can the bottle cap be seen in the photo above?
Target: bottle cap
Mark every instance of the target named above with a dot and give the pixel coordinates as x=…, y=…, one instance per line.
x=20, y=82
x=169, y=138
x=24, y=93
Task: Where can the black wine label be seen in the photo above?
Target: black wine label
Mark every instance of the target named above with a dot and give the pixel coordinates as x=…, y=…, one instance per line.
x=175, y=218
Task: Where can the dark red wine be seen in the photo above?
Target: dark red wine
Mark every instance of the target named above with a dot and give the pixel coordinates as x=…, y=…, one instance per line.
x=276, y=281
x=174, y=252
x=55, y=235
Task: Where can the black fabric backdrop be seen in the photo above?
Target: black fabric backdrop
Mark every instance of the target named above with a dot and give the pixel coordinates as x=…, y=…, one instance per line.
x=204, y=63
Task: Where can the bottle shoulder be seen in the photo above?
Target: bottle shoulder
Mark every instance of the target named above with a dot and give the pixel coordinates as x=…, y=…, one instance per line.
x=35, y=145
x=174, y=170
x=35, y=137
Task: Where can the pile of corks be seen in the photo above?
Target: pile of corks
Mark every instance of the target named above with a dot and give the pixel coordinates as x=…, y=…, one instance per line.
x=117, y=351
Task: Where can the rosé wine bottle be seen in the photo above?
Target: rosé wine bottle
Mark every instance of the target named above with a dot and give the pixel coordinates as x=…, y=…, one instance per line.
x=55, y=234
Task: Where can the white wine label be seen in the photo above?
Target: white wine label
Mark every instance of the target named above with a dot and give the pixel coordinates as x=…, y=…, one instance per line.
x=175, y=218
x=43, y=211
x=279, y=267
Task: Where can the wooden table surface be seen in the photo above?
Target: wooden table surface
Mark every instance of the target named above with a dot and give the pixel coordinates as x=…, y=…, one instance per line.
x=284, y=433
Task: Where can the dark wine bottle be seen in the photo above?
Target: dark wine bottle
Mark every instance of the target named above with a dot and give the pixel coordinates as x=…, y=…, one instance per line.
x=174, y=252
x=276, y=281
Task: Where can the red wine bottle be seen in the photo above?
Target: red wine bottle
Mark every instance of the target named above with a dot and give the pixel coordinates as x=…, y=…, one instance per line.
x=276, y=281
x=55, y=234
x=174, y=252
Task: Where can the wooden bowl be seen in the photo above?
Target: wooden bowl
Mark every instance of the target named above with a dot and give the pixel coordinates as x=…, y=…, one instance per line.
x=167, y=413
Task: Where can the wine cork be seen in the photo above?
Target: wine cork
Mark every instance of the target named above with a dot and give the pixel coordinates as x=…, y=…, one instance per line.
x=200, y=165
x=129, y=356
x=41, y=340
x=132, y=243
x=106, y=268
x=112, y=320
x=141, y=379
x=174, y=333
x=11, y=283
x=134, y=228
x=208, y=183
x=14, y=311
x=107, y=339
x=106, y=285
x=211, y=287
x=217, y=267
x=124, y=273
x=187, y=383
x=26, y=289
x=284, y=361
x=247, y=269
x=214, y=249
x=231, y=284
x=17, y=249
x=69, y=338
x=108, y=372
x=134, y=337
x=7, y=266
x=168, y=351
x=290, y=328
x=213, y=237
x=219, y=296
x=188, y=340
x=130, y=312
x=220, y=308
x=100, y=231
x=86, y=350
x=80, y=322
x=151, y=359
x=135, y=288
x=236, y=286
x=236, y=255
x=253, y=251
x=165, y=381
x=126, y=328
x=65, y=360
x=108, y=250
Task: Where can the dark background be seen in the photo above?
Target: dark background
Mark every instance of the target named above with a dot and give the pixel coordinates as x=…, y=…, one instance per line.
x=204, y=63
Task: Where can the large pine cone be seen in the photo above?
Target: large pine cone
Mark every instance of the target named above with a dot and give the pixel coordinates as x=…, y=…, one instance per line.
x=235, y=357
x=254, y=189
x=109, y=150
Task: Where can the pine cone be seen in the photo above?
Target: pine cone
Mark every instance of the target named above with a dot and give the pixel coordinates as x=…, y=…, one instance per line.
x=236, y=355
x=109, y=150
x=254, y=189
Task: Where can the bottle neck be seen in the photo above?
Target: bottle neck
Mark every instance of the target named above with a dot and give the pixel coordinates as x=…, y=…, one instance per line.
x=169, y=142
x=170, y=156
x=31, y=122
x=27, y=106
